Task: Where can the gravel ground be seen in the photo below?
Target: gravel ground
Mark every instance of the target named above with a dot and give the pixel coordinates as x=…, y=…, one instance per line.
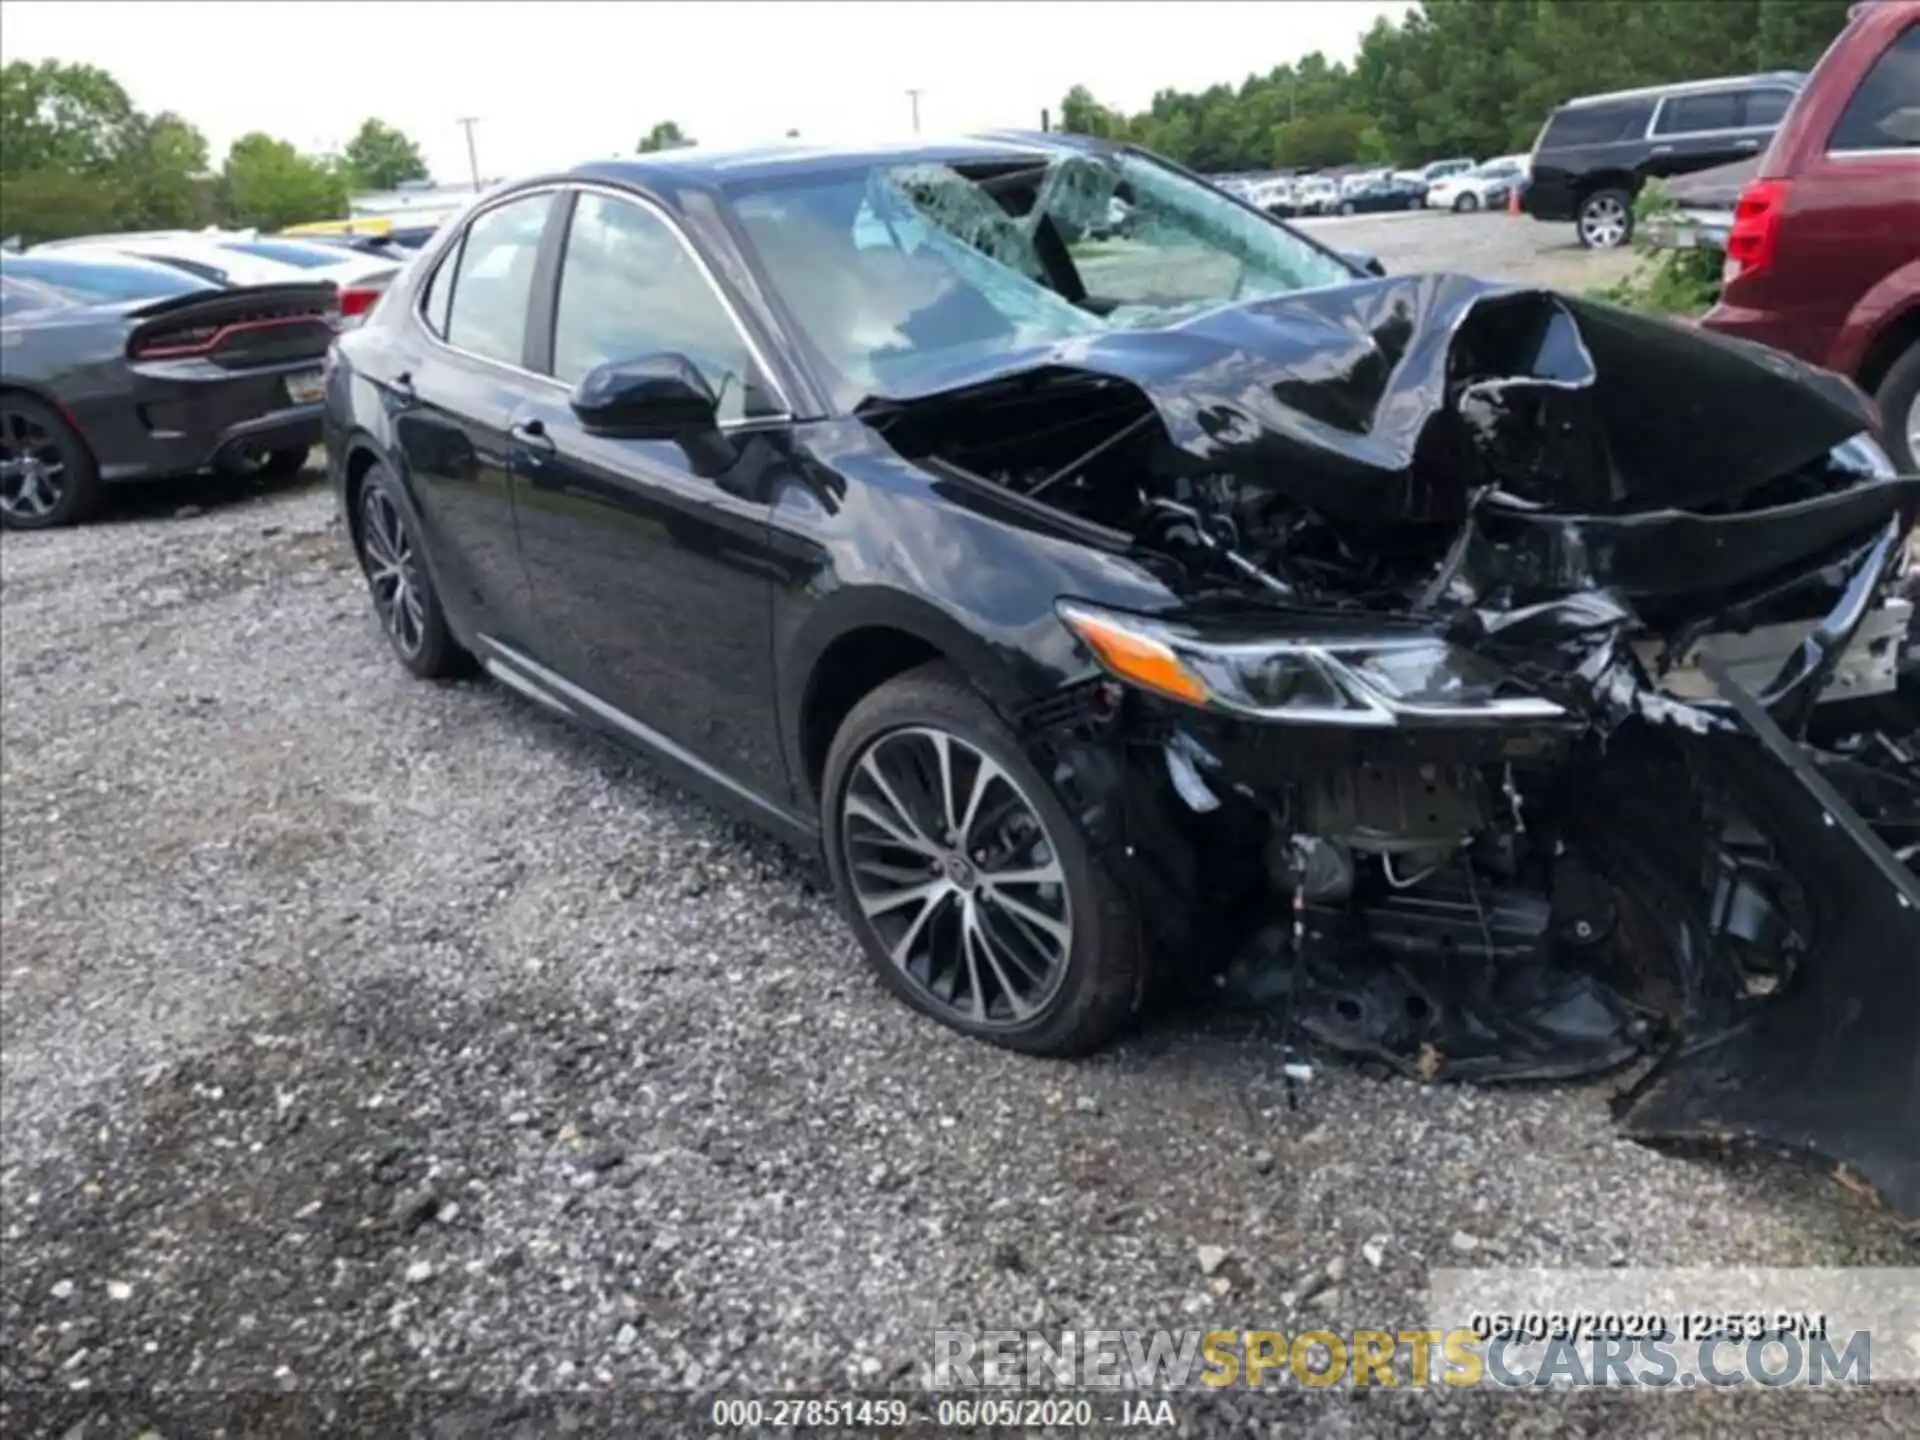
x=1519, y=249
x=356, y=1032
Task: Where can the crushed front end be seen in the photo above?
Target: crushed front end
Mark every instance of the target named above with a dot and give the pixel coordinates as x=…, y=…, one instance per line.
x=1531, y=704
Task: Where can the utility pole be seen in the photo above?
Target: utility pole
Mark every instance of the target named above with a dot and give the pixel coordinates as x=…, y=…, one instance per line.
x=467, y=122
x=914, y=96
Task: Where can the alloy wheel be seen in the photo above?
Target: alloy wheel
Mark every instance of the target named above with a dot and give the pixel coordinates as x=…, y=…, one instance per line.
x=1913, y=427
x=1603, y=222
x=953, y=871
x=393, y=572
x=33, y=472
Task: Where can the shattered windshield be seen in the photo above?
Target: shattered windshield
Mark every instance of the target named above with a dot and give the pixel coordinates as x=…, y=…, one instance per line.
x=899, y=271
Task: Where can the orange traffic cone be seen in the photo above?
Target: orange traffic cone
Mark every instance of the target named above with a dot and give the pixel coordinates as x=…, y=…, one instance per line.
x=1513, y=200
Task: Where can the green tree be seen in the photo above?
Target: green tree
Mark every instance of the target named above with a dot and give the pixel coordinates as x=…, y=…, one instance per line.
x=379, y=157
x=664, y=136
x=1316, y=141
x=76, y=157
x=71, y=118
x=1458, y=77
x=169, y=185
x=1081, y=114
x=269, y=184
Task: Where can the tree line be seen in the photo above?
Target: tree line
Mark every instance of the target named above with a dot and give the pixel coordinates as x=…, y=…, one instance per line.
x=77, y=157
x=1460, y=77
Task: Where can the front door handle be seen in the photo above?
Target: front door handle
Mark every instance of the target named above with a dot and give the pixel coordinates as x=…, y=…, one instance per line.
x=402, y=387
x=1661, y=150
x=532, y=434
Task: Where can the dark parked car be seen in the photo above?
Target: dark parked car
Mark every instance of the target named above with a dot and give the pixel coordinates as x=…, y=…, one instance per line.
x=1379, y=195
x=1435, y=655
x=1594, y=154
x=1823, y=257
x=123, y=370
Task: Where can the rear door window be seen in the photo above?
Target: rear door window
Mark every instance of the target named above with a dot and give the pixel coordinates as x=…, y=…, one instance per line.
x=1698, y=114
x=1606, y=124
x=493, y=288
x=1884, y=113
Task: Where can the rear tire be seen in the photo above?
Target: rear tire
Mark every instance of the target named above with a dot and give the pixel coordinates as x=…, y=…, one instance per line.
x=404, y=599
x=1464, y=203
x=970, y=934
x=1899, y=400
x=48, y=476
x=1604, y=220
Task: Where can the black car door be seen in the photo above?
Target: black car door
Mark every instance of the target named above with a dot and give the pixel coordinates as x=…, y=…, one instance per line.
x=453, y=398
x=652, y=572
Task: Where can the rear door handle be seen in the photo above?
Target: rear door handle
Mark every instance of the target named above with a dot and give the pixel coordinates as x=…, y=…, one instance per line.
x=1661, y=150
x=402, y=386
x=532, y=434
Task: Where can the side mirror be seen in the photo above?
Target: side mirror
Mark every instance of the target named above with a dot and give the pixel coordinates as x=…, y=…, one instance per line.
x=1367, y=264
x=656, y=397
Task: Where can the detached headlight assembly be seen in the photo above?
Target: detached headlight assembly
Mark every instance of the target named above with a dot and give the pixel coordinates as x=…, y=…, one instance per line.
x=1363, y=681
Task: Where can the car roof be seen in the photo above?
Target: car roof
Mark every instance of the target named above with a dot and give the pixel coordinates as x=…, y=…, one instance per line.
x=713, y=166
x=1793, y=79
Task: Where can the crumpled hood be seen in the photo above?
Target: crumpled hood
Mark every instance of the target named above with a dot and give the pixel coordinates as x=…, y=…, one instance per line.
x=1401, y=398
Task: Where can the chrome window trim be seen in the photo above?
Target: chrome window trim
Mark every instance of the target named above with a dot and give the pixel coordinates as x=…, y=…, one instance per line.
x=759, y=356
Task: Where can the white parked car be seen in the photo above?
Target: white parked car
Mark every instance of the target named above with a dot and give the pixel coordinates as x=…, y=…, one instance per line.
x=1316, y=195
x=1485, y=187
x=244, y=258
x=1437, y=170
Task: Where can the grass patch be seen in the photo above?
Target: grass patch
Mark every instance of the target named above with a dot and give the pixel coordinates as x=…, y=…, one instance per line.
x=1666, y=281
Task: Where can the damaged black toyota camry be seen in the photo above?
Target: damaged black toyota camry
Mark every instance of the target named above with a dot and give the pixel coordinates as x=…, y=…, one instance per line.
x=1495, y=684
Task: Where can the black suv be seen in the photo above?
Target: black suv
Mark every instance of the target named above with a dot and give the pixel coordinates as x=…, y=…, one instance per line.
x=1595, y=153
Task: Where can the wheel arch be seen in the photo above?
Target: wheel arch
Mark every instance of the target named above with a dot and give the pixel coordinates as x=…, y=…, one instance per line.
x=1895, y=336
x=856, y=641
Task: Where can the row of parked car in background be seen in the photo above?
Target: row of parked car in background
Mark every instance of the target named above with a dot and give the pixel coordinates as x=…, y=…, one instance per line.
x=1455, y=183
x=133, y=356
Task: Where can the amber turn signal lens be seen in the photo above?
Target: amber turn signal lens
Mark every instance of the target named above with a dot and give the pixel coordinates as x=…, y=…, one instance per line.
x=1141, y=659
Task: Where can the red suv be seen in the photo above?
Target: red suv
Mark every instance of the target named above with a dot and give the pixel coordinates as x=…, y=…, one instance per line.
x=1823, y=260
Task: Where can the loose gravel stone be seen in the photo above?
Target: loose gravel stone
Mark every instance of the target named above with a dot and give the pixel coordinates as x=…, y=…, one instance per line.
x=290, y=936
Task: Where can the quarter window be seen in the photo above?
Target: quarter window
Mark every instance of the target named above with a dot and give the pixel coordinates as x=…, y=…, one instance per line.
x=1884, y=113
x=433, y=307
x=629, y=288
x=1695, y=114
x=486, y=314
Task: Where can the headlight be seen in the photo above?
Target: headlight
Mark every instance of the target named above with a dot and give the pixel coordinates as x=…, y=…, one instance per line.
x=1366, y=681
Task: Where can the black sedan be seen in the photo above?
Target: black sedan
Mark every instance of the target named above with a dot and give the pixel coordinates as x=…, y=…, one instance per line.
x=1383, y=195
x=126, y=371
x=1186, y=604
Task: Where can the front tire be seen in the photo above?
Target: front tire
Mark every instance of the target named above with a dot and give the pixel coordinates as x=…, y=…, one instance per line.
x=1605, y=219
x=48, y=476
x=975, y=896
x=1465, y=203
x=403, y=595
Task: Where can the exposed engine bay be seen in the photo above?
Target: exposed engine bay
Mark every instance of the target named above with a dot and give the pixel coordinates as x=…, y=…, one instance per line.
x=1532, y=704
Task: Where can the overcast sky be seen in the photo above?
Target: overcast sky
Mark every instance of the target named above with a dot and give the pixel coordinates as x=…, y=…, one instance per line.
x=556, y=83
